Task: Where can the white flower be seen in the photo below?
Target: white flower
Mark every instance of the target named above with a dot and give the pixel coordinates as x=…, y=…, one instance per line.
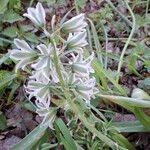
x=24, y=54
x=45, y=62
x=36, y=15
x=45, y=111
x=75, y=24
x=85, y=88
x=76, y=41
x=38, y=86
x=80, y=66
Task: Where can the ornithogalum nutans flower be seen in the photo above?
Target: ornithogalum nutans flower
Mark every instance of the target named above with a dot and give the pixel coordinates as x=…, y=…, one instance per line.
x=24, y=54
x=76, y=41
x=75, y=24
x=36, y=15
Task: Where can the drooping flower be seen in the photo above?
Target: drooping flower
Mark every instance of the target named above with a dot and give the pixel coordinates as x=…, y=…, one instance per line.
x=48, y=114
x=38, y=86
x=36, y=15
x=82, y=67
x=45, y=62
x=83, y=87
x=76, y=41
x=24, y=54
x=86, y=89
x=75, y=24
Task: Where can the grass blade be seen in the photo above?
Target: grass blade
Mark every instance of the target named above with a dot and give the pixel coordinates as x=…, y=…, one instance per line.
x=64, y=136
x=31, y=139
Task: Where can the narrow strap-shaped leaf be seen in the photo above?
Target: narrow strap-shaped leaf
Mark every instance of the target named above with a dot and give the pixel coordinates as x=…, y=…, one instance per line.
x=130, y=126
x=64, y=136
x=96, y=41
x=144, y=119
x=128, y=102
x=4, y=58
x=122, y=140
x=6, y=78
x=31, y=139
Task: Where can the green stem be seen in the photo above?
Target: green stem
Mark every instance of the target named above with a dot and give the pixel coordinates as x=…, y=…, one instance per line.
x=76, y=7
x=106, y=37
x=56, y=64
x=127, y=43
x=31, y=3
x=147, y=7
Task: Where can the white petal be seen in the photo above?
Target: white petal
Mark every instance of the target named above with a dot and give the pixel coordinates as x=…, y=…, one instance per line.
x=75, y=23
x=31, y=18
x=19, y=55
x=23, y=63
x=40, y=13
x=23, y=45
x=41, y=63
x=43, y=49
x=54, y=76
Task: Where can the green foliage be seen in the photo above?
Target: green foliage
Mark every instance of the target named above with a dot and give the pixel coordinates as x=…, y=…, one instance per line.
x=52, y=2
x=3, y=4
x=11, y=17
x=3, y=122
x=6, y=78
x=144, y=119
x=145, y=84
x=130, y=126
x=72, y=136
x=11, y=32
x=64, y=136
x=31, y=139
x=81, y=3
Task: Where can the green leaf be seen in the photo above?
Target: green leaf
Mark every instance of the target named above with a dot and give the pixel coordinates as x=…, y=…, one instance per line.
x=3, y=123
x=14, y=4
x=122, y=140
x=130, y=126
x=4, y=58
x=11, y=17
x=64, y=136
x=5, y=78
x=31, y=139
x=50, y=2
x=81, y=3
x=96, y=41
x=145, y=84
x=126, y=102
x=142, y=21
x=10, y=32
x=60, y=2
x=3, y=5
x=15, y=86
x=48, y=146
x=31, y=37
x=144, y=119
x=28, y=106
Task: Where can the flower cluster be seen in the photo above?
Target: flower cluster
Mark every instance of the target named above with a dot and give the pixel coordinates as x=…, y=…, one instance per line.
x=76, y=70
